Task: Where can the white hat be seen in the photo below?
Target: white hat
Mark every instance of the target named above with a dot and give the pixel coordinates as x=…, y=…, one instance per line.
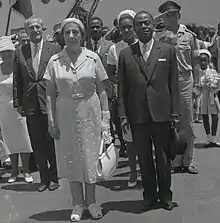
x=126, y=12
x=6, y=44
x=205, y=51
x=75, y=20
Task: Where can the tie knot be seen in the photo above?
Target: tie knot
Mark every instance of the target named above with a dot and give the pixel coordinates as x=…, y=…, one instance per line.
x=145, y=47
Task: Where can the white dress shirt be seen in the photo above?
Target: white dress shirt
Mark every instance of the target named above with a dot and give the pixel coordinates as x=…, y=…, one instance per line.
x=146, y=48
x=98, y=45
x=38, y=56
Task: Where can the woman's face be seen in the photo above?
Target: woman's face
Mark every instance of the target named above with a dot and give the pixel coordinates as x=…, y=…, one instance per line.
x=7, y=56
x=72, y=34
x=126, y=28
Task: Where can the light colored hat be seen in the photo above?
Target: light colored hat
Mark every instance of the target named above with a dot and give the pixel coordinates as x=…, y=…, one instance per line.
x=126, y=12
x=75, y=20
x=6, y=44
x=204, y=51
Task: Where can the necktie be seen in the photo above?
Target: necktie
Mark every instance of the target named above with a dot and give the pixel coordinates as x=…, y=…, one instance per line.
x=145, y=51
x=36, y=58
x=95, y=46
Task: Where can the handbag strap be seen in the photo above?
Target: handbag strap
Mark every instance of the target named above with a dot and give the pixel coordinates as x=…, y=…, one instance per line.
x=101, y=145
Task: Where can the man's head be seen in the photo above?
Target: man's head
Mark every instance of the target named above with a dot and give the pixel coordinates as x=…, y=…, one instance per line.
x=144, y=26
x=23, y=38
x=212, y=31
x=171, y=13
x=34, y=29
x=201, y=33
x=95, y=27
x=105, y=30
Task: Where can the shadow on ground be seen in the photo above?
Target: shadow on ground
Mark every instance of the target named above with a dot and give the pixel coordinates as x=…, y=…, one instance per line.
x=118, y=185
x=21, y=187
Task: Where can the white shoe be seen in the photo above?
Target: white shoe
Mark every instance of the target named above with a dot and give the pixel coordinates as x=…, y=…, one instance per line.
x=12, y=179
x=132, y=184
x=77, y=213
x=95, y=211
x=28, y=178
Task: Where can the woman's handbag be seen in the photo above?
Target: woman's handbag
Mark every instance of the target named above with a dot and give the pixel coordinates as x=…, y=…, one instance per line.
x=107, y=162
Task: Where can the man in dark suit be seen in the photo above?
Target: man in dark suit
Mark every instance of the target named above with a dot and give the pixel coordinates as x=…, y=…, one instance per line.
x=149, y=99
x=29, y=89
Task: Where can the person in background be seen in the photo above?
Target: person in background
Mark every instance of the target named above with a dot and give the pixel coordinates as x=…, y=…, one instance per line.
x=30, y=99
x=210, y=106
x=105, y=30
x=211, y=33
x=186, y=51
x=23, y=38
x=125, y=21
x=101, y=46
x=13, y=125
x=78, y=114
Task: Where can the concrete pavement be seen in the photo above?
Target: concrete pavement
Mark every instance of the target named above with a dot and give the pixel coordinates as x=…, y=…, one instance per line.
x=198, y=197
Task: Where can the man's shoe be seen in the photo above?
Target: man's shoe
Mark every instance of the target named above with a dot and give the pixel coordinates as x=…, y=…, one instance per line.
x=28, y=178
x=42, y=188
x=146, y=206
x=190, y=170
x=167, y=205
x=53, y=186
x=176, y=170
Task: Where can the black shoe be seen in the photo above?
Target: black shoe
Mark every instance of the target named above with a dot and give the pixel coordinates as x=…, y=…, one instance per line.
x=190, y=170
x=53, y=186
x=42, y=187
x=167, y=205
x=146, y=206
x=176, y=170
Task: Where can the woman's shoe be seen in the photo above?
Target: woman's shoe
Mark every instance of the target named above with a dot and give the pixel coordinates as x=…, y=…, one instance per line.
x=95, y=211
x=28, y=178
x=77, y=213
x=12, y=179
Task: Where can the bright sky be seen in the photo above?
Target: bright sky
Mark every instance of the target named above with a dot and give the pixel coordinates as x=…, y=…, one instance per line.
x=203, y=12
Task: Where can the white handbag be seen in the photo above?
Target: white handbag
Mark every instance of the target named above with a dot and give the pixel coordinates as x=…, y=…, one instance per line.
x=107, y=162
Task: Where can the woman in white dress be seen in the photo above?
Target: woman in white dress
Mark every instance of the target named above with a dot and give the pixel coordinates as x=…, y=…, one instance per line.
x=13, y=125
x=125, y=21
x=77, y=107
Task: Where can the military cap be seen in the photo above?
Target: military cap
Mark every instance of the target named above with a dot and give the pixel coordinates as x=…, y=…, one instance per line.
x=169, y=6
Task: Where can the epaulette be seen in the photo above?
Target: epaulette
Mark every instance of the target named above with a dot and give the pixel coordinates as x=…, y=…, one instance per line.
x=189, y=31
x=56, y=57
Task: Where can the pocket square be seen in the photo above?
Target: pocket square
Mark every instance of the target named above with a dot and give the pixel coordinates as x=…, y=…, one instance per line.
x=162, y=59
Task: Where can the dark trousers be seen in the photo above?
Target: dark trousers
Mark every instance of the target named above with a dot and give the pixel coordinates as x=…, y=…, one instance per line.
x=159, y=175
x=214, y=125
x=43, y=147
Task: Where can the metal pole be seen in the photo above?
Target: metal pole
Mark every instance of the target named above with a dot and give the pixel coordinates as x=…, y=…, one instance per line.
x=8, y=21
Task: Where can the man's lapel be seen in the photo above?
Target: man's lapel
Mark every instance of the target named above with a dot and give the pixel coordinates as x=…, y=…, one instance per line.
x=153, y=58
x=136, y=52
x=26, y=49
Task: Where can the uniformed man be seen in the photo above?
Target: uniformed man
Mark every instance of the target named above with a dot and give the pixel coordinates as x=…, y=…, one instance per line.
x=186, y=52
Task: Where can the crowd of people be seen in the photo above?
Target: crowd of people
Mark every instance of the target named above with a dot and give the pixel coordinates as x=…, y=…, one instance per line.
x=60, y=98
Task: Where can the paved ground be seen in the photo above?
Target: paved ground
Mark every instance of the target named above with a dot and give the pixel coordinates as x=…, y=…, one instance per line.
x=198, y=197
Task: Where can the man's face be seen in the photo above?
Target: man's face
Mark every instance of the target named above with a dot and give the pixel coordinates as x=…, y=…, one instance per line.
x=23, y=39
x=201, y=35
x=144, y=27
x=212, y=31
x=171, y=18
x=34, y=30
x=95, y=29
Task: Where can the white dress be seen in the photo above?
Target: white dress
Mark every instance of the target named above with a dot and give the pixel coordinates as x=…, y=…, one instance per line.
x=13, y=126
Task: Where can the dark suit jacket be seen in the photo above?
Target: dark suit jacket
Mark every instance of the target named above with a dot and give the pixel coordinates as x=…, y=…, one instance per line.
x=148, y=90
x=104, y=48
x=29, y=88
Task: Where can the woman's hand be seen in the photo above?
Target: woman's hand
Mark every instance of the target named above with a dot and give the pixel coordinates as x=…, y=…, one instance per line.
x=54, y=131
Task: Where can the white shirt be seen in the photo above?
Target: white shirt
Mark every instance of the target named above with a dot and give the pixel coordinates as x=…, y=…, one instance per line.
x=40, y=46
x=149, y=47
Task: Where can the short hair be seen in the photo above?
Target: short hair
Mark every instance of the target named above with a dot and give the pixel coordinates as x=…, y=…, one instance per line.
x=82, y=32
x=200, y=29
x=21, y=32
x=96, y=18
x=144, y=12
x=28, y=21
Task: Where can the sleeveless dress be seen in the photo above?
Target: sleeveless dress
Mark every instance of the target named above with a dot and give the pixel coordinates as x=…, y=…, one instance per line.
x=13, y=125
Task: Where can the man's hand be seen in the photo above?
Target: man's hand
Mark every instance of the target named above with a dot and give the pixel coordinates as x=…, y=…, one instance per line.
x=125, y=125
x=175, y=120
x=20, y=111
x=54, y=131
